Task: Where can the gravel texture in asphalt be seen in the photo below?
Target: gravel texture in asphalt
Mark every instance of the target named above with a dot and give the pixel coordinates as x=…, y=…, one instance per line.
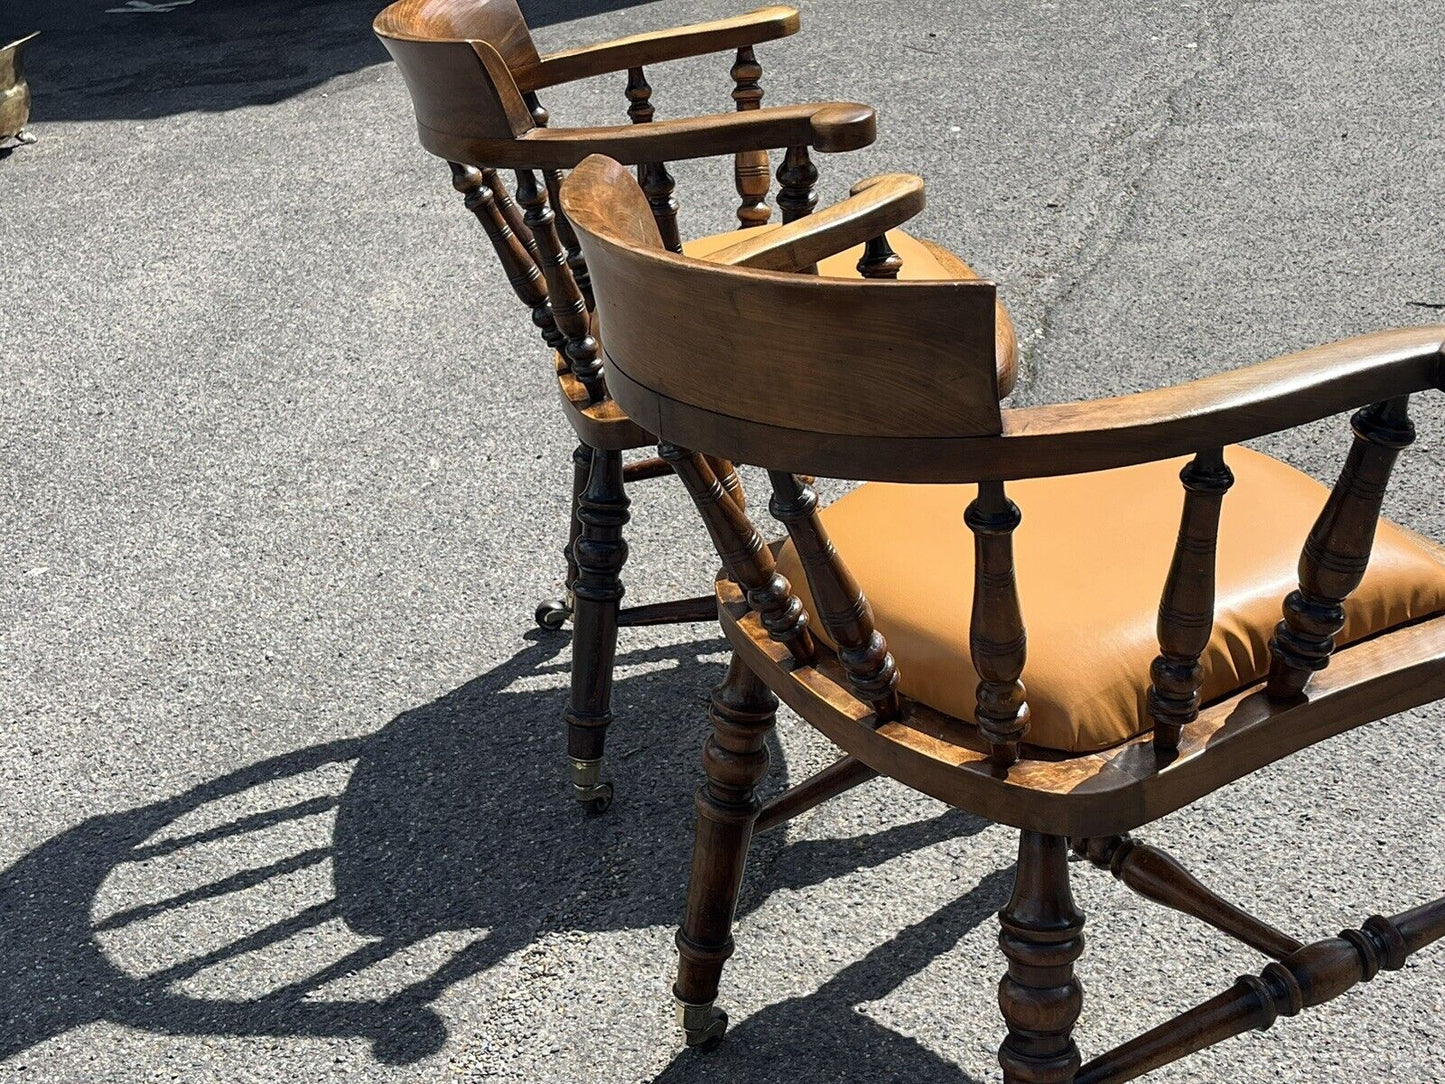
x=282, y=477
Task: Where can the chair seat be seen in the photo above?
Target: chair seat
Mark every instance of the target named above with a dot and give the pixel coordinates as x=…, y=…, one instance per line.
x=604, y=425
x=1092, y=554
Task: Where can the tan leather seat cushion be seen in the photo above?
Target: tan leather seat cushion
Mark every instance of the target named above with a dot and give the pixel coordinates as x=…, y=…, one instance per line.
x=1092, y=554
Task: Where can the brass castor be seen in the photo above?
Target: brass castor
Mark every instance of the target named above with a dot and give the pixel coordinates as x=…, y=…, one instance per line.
x=703, y=1026
x=587, y=786
x=552, y=614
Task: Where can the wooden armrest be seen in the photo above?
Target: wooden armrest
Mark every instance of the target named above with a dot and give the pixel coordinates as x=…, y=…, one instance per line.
x=875, y=206
x=828, y=126
x=1289, y=391
x=638, y=50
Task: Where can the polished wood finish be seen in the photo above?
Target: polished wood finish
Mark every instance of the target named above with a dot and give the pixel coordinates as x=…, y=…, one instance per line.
x=1186, y=610
x=747, y=560
x=568, y=304
x=1338, y=548
x=757, y=395
x=750, y=168
x=839, y=604
x=1158, y=876
x=796, y=177
x=599, y=553
x=656, y=181
x=640, y=50
x=473, y=72
x=876, y=205
x=1042, y=935
x=997, y=641
x=1307, y=977
x=842, y=775
x=879, y=261
x=510, y=240
x=735, y=758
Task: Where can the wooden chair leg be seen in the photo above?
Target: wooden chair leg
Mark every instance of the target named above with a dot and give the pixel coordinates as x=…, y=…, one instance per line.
x=735, y=758
x=599, y=552
x=1042, y=936
x=553, y=613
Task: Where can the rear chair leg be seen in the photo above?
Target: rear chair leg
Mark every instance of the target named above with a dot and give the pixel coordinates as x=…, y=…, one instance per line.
x=735, y=758
x=1042, y=936
x=600, y=553
x=553, y=613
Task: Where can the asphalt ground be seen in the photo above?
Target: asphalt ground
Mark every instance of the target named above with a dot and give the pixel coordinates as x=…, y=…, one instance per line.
x=281, y=479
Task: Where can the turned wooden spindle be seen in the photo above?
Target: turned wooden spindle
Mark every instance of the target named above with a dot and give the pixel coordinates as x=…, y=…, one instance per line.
x=525, y=277
x=1338, y=549
x=838, y=602
x=1186, y=609
x=747, y=559
x=657, y=183
x=728, y=475
x=1307, y=977
x=879, y=261
x=510, y=211
x=796, y=177
x=1158, y=876
x=1042, y=935
x=569, y=307
x=996, y=640
x=750, y=168
x=552, y=178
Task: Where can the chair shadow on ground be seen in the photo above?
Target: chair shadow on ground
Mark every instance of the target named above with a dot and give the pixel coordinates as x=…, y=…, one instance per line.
x=449, y=823
x=143, y=59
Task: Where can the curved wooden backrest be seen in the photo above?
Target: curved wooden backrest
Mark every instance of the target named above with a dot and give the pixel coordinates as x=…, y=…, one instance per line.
x=709, y=356
x=461, y=60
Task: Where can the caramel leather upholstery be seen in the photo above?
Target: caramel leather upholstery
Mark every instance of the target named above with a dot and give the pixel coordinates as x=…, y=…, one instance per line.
x=1091, y=554
x=922, y=261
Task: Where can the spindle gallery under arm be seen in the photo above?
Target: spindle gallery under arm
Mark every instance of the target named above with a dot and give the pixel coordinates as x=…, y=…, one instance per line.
x=1150, y=612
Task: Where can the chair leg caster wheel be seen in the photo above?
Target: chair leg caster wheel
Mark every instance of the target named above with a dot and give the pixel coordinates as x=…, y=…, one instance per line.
x=703, y=1026
x=588, y=788
x=552, y=614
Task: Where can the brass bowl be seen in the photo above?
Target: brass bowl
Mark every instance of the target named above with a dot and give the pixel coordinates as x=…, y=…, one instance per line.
x=14, y=92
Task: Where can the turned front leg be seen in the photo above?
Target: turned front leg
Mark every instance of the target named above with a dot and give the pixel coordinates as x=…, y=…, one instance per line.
x=735, y=758
x=1042, y=936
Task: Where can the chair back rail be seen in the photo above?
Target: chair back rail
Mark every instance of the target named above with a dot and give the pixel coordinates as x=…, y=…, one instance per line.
x=793, y=374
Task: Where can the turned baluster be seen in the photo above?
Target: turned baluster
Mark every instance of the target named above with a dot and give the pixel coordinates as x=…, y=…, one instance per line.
x=996, y=640
x=1042, y=935
x=569, y=307
x=796, y=177
x=750, y=168
x=727, y=474
x=879, y=261
x=1338, y=549
x=510, y=211
x=657, y=183
x=747, y=559
x=552, y=178
x=1186, y=609
x=838, y=601
x=480, y=197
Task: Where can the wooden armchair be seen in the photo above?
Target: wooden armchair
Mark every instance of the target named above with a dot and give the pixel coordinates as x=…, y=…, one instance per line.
x=473, y=74
x=1177, y=640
